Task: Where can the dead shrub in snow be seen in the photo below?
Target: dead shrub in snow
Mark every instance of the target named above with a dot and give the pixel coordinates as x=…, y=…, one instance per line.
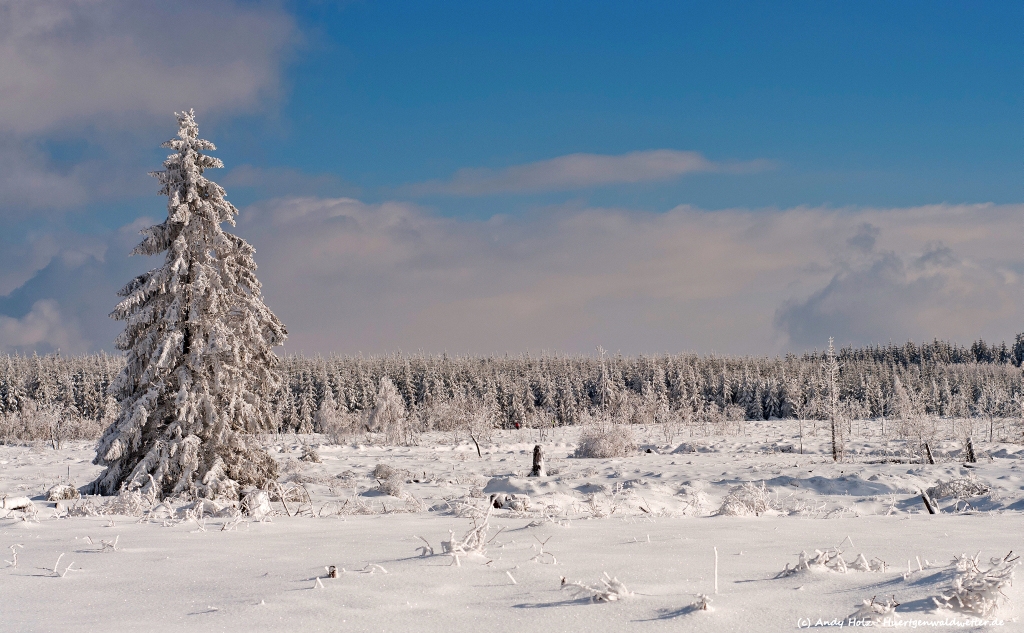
x=978, y=590
x=309, y=454
x=611, y=591
x=748, y=499
x=392, y=486
x=132, y=503
x=256, y=504
x=961, y=488
x=877, y=612
x=62, y=492
x=604, y=440
x=390, y=480
x=831, y=560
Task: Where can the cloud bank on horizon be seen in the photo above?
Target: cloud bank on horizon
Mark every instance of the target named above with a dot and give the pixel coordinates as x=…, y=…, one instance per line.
x=600, y=243
x=351, y=277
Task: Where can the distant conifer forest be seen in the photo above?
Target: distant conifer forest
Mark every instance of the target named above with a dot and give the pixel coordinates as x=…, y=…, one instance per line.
x=706, y=394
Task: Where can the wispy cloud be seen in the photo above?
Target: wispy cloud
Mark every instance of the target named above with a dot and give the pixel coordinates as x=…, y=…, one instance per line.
x=580, y=171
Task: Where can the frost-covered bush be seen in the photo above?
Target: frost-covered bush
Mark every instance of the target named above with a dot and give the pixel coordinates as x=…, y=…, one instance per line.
x=748, y=499
x=341, y=427
x=978, y=590
x=877, y=612
x=389, y=416
x=62, y=492
x=831, y=559
x=390, y=481
x=310, y=454
x=256, y=503
x=52, y=423
x=611, y=589
x=605, y=439
x=961, y=488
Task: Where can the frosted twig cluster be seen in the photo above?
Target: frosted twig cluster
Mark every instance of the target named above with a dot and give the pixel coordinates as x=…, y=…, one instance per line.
x=976, y=589
x=611, y=589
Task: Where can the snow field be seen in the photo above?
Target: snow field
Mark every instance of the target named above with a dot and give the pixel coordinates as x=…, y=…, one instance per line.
x=645, y=520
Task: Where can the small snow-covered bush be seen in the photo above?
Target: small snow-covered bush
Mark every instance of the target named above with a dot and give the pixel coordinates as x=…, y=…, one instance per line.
x=506, y=501
x=748, y=499
x=390, y=480
x=62, y=492
x=979, y=590
x=132, y=503
x=602, y=441
x=393, y=486
x=309, y=454
x=385, y=471
x=256, y=504
x=961, y=488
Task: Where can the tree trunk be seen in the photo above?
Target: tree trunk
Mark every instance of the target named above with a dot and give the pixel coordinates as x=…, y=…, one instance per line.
x=538, y=463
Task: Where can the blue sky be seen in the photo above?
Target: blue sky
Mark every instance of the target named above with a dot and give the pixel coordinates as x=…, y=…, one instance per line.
x=488, y=151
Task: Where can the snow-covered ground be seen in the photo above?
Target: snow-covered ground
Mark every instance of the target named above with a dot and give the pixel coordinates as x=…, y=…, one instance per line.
x=653, y=521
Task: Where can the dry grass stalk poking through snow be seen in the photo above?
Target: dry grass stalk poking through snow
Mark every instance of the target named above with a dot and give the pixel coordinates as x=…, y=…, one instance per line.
x=979, y=590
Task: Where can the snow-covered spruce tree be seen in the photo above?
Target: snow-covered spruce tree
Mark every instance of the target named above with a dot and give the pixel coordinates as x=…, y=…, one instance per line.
x=199, y=339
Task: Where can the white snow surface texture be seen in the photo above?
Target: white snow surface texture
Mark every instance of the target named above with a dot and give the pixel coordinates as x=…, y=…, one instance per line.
x=441, y=557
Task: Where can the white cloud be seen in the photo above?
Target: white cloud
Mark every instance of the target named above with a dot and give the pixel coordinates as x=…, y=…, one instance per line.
x=579, y=171
x=348, y=276
x=42, y=328
x=82, y=61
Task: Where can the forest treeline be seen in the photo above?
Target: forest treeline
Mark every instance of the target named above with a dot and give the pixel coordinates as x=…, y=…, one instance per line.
x=317, y=394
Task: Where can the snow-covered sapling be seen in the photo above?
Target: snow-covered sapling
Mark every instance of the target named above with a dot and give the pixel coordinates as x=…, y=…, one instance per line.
x=199, y=338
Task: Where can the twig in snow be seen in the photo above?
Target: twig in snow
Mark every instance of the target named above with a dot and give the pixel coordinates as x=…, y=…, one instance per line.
x=540, y=557
x=14, y=553
x=425, y=551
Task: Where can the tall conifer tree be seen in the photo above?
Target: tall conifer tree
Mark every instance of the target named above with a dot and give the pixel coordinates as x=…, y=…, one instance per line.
x=200, y=366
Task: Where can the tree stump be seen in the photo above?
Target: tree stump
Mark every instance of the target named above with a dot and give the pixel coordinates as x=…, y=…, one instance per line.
x=538, y=463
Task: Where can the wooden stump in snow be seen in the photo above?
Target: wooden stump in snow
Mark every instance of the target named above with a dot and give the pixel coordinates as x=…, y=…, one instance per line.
x=538, y=463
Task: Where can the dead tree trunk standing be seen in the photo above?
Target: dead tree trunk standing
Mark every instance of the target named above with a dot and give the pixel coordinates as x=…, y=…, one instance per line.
x=970, y=451
x=928, y=504
x=538, y=463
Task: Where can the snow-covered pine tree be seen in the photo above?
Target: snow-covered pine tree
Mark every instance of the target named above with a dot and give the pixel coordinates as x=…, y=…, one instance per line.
x=199, y=339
